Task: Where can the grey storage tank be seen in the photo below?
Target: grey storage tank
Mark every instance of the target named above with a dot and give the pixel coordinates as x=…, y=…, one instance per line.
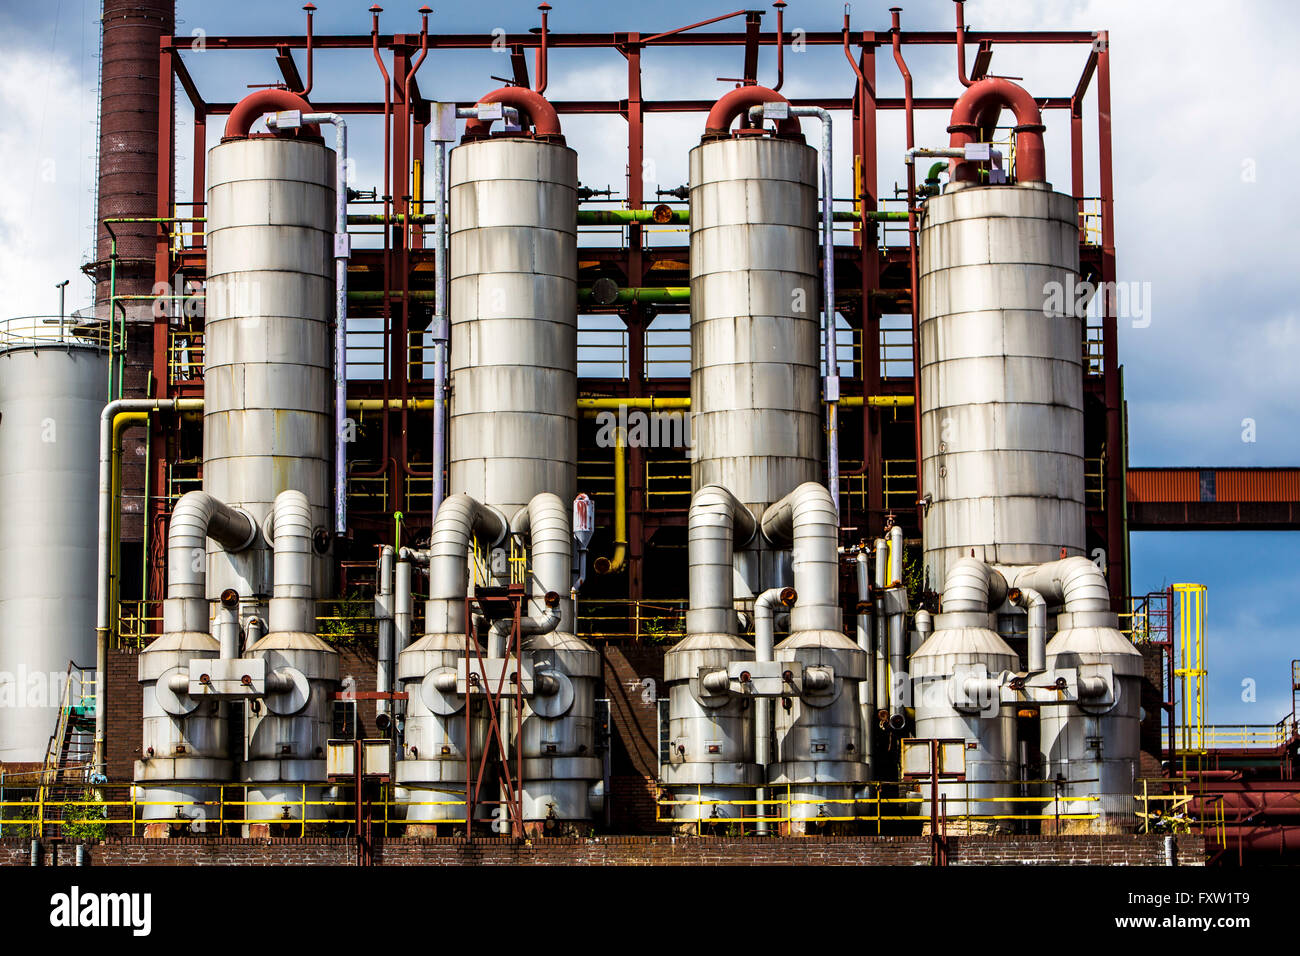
x=53, y=386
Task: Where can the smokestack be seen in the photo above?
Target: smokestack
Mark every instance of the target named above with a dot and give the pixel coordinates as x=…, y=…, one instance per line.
x=128, y=187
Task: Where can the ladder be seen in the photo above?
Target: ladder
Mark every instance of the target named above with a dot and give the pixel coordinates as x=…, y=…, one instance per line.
x=68, y=765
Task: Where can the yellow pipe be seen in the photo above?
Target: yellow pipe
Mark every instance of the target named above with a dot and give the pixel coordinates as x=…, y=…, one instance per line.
x=616, y=562
x=878, y=401
x=589, y=406
x=377, y=404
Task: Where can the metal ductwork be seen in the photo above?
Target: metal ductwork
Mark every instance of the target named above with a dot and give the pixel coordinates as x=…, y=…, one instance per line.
x=186, y=736
x=957, y=678
x=431, y=770
x=563, y=777
x=819, y=735
x=711, y=742
x=288, y=728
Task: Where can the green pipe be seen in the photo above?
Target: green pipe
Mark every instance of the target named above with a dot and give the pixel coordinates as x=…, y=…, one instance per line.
x=639, y=294
x=872, y=215
x=932, y=177
x=622, y=217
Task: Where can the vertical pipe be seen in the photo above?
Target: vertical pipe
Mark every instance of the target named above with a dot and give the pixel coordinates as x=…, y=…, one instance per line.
x=897, y=619
x=384, y=613
x=866, y=688
x=439, y=326
x=765, y=606
x=911, y=236
x=402, y=601
x=882, y=643
x=961, y=44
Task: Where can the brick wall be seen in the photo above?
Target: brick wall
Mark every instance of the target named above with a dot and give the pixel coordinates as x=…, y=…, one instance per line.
x=1153, y=683
x=125, y=711
x=633, y=707
x=808, y=851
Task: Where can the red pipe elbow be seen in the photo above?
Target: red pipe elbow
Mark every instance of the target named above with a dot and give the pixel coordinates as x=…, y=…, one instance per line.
x=737, y=103
x=977, y=111
x=256, y=105
x=532, y=107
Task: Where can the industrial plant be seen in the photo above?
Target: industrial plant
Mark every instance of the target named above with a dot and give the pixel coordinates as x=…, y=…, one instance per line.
x=409, y=490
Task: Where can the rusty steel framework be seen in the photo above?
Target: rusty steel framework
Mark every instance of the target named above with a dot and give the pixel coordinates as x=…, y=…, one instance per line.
x=395, y=281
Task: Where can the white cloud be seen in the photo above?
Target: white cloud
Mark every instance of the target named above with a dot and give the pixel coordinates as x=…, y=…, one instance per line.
x=47, y=147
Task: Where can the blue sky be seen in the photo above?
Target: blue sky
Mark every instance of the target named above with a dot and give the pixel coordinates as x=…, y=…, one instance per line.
x=1205, y=185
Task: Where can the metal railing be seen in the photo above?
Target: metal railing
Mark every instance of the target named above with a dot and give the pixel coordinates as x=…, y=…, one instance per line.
x=1090, y=219
x=1266, y=737
x=652, y=621
x=869, y=806
x=117, y=810
x=337, y=620
x=28, y=331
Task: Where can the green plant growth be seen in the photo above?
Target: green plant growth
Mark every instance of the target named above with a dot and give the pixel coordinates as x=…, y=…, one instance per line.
x=87, y=821
x=344, y=626
x=660, y=630
x=9, y=814
x=913, y=577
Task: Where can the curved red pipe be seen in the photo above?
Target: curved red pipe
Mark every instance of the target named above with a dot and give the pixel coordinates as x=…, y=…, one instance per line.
x=532, y=106
x=975, y=110
x=256, y=105
x=737, y=103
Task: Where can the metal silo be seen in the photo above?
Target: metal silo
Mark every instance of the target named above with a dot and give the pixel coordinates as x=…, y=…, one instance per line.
x=1001, y=377
x=53, y=385
x=268, y=370
x=513, y=287
x=755, y=392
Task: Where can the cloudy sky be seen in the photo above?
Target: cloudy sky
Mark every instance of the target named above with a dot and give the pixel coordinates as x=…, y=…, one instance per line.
x=1205, y=118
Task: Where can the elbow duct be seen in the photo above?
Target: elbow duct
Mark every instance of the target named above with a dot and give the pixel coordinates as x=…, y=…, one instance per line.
x=1035, y=606
x=806, y=521
x=289, y=529
x=544, y=522
x=460, y=519
x=716, y=524
x=197, y=517
x=1076, y=584
x=971, y=585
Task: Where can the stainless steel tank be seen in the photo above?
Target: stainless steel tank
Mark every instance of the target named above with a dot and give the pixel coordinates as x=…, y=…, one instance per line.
x=286, y=732
x=185, y=749
x=1001, y=380
x=1094, y=746
x=53, y=386
x=268, y=379
x=755, y=328
x=820, y=751
x=964, y=647
x=513, y=286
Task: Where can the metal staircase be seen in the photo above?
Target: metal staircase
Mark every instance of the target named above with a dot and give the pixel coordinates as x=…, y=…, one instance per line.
x=68, y=766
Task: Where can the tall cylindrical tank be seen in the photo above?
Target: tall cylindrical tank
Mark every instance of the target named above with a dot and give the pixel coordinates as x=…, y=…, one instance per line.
x=1001, y=377
x=268, y=380
x=755, y=356
x=53, y=385
x=1094, y=745
x=513, y=286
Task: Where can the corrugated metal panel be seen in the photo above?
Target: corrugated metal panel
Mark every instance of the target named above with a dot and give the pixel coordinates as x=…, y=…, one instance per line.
x=1259, y=484
x=1164, y=484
